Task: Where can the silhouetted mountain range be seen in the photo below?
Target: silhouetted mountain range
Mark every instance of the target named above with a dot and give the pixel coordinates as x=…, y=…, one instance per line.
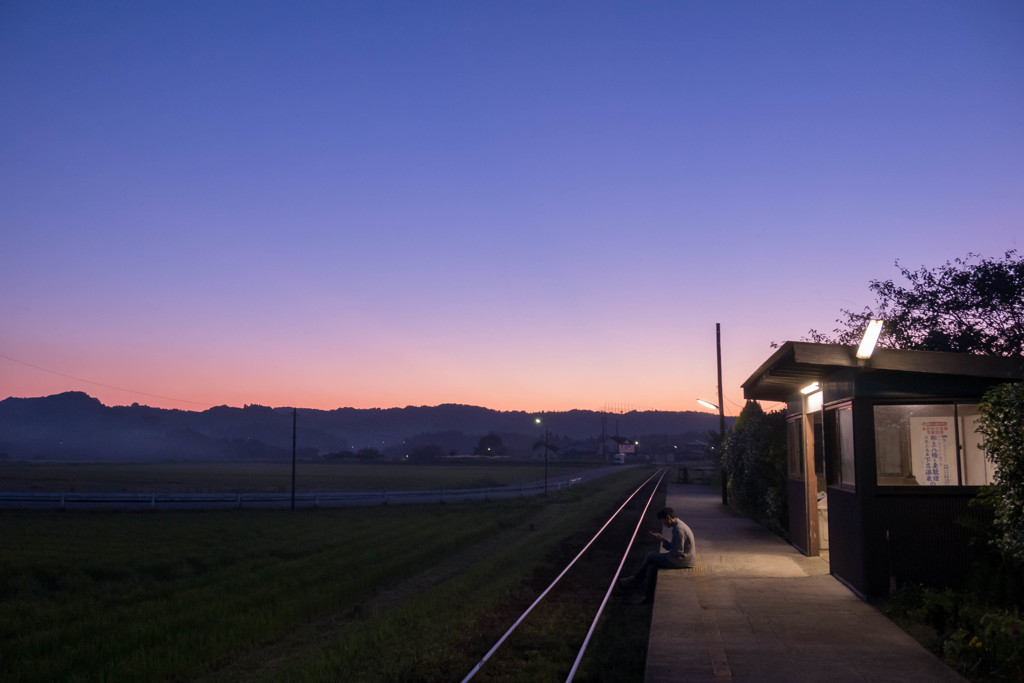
x=75, y=426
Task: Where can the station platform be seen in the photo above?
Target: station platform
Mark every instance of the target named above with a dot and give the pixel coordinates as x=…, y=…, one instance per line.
x=755, y=609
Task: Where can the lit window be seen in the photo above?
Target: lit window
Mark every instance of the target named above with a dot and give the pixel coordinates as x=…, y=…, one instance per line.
x=917, y=445
x=839, y=440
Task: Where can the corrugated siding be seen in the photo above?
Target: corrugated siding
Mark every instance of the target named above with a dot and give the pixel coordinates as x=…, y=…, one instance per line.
x=918, y=538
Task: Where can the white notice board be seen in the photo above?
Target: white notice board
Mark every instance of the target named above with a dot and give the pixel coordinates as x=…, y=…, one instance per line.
x=933, y=450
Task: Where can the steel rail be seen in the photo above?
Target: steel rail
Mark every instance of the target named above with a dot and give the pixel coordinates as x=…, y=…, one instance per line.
x=660, y=474
x=611, y=586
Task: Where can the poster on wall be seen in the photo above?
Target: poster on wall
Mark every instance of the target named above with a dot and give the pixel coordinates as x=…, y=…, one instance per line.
x=933, y=451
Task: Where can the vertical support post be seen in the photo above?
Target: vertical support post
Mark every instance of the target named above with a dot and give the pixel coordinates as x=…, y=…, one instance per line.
x=721, y=414
x=810, y=482
x=295, y=413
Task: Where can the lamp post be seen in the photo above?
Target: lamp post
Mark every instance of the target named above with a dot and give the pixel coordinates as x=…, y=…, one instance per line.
x=539, y=421
x=721, y=408
x=295, y=418
x=721, y=413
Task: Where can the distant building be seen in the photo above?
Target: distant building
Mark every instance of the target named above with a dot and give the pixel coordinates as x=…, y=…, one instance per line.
x=883, y=457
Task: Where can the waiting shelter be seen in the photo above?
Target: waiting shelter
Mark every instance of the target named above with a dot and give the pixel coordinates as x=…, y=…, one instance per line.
x=883, y=457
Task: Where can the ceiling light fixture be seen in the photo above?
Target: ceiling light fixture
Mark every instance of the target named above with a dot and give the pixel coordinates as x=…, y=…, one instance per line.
x=867, y=345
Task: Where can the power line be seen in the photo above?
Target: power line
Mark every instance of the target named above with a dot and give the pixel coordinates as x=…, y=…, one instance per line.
x=738, y=405
x=101, y=384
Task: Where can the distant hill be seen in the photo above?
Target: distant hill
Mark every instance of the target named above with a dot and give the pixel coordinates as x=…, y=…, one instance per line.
x=76, y=426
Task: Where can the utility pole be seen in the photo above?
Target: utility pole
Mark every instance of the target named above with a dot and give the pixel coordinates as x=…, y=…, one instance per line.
x=295, y=412
x=545, y=458
x=721, y=414
x=604, y=438
x=543, y=422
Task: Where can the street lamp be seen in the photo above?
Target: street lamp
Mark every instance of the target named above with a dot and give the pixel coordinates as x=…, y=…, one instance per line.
x=721, y=433
x=721, y=412
x=539, y=421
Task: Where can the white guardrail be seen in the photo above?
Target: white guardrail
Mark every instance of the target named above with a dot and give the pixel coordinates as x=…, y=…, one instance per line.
x=210, y=501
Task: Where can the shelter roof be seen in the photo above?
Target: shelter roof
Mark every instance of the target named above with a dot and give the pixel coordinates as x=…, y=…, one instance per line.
x=796, y=364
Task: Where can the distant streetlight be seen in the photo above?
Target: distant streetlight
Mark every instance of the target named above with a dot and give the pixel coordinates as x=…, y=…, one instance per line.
x=539, y=421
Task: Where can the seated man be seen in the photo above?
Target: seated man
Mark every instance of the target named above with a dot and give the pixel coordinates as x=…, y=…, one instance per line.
x=682, y=553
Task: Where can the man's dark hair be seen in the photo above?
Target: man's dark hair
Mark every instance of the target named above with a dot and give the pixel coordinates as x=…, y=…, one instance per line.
x=665, y=513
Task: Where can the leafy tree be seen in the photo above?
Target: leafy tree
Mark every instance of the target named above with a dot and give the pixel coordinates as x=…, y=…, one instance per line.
x=491, y=444
x=1002, y=425
x=970, y=305
x=754, y=454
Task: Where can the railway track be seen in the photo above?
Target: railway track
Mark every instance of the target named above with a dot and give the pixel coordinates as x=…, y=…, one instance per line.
x=567, y=613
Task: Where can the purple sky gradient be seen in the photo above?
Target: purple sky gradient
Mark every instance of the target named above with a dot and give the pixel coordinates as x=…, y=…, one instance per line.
x=525, y=206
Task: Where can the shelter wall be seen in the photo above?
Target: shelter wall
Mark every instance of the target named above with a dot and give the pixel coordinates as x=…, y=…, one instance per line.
x=920, y=537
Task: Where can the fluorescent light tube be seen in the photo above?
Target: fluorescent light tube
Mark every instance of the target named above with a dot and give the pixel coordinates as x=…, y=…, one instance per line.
x=867, y=345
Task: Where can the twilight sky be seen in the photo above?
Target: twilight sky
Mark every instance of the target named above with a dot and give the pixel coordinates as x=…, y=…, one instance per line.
x=519, y=205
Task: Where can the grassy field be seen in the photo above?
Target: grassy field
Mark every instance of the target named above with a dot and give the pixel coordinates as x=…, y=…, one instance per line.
x=415, y=593
x=189, y=477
